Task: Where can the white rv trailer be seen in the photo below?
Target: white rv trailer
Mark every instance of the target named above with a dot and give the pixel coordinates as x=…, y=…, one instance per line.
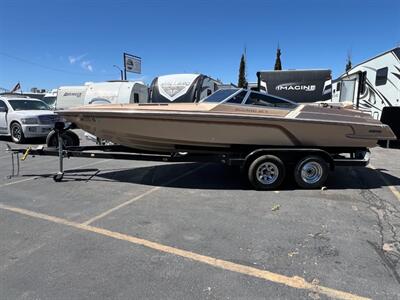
x=102, y=92
x=70, y=96
x=373, y=86
x=117, y=92
x=182, y=88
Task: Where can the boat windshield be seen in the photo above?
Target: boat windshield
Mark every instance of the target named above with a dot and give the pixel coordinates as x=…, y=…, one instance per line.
x=269, y=101
x=220, y=95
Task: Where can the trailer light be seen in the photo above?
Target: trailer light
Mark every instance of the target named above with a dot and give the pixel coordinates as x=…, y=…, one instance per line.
x=30, y=121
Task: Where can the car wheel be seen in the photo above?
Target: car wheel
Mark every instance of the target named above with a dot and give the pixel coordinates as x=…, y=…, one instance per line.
x=17, y=135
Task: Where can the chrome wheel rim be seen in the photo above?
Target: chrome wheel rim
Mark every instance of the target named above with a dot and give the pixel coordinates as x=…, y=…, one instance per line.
x=16, y=133
x=311, y=172
x=267, y=173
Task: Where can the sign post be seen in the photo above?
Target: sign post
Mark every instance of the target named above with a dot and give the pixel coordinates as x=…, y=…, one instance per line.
x=132, y=64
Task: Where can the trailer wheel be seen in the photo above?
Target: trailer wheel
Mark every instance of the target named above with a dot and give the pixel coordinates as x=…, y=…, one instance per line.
x=70, y=138
x=311, y=172
x=266, y=172
x=58, y=177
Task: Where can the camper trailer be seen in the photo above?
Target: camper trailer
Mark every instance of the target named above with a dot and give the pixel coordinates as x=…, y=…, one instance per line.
x=102, y=92
x=302, y=86
x=70, y=96
x=373, y=86
x=117, y=92
x=182, y=88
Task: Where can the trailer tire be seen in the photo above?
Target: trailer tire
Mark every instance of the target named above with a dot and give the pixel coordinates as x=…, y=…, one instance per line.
x=311, y=172
x=266, y=172
x=70, y=138
x=58, y=177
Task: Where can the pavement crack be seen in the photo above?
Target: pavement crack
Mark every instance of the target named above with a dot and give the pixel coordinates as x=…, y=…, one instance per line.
x=387, y=217
x=387, y=262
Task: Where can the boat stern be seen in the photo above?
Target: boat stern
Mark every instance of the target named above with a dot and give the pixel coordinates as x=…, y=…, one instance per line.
x=378, y=132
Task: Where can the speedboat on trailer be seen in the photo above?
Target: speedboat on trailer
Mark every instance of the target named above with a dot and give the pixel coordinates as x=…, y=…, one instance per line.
x=228, y=119
x=263, y=134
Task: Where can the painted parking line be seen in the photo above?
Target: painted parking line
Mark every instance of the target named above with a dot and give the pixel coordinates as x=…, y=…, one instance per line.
x=293, y=282
x=393, y=189
x=36, y=177
x=142, y=195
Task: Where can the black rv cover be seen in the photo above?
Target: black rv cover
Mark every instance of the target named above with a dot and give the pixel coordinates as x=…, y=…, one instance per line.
x=297, y=85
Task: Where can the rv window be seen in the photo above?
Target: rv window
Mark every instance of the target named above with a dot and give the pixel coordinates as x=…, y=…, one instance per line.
x=381, y=76
x=135, y=98
x=328, y=88
x=338, y=86
x=363, y=78
x=237, y=98
x=209, y=92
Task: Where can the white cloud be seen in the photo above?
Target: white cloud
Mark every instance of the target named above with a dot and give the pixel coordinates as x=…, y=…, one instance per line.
x=87, y=65
x=74, y=59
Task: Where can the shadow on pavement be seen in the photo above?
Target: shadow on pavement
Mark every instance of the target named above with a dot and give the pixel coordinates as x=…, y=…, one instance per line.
x=31, y=141
x=217, y=176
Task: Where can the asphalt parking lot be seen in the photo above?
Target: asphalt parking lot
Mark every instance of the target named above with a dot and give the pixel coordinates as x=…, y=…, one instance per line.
x=150, y=230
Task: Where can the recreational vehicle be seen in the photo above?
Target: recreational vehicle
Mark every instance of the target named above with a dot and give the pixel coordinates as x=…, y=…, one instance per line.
x=102, y=92
x=182, y=88
x=302, y=86
x=373, y=86
x=70, y=96
x=117, y=92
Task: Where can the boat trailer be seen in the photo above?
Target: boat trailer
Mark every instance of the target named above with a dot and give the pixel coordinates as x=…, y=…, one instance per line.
x=265, y=167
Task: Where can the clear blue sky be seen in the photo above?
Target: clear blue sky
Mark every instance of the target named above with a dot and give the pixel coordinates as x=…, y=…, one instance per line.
x=49, y=43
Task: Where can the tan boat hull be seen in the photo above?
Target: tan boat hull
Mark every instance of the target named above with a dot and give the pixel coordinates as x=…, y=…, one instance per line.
x=166, y=130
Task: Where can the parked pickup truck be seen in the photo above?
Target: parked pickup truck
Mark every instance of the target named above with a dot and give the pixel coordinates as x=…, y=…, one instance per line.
x=23, y=117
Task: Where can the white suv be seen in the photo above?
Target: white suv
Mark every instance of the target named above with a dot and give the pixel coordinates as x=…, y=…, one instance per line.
x=22, y=117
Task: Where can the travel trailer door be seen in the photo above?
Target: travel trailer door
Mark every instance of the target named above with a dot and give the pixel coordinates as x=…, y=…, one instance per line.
x=347, y=90
x=139, y=93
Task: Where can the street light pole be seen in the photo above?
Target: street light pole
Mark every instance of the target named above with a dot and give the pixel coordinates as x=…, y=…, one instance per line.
x=120, y=70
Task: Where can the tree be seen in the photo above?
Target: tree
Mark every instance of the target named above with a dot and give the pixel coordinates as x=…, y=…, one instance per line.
x=242, y=82
x=278, y=64
x=348, y=63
